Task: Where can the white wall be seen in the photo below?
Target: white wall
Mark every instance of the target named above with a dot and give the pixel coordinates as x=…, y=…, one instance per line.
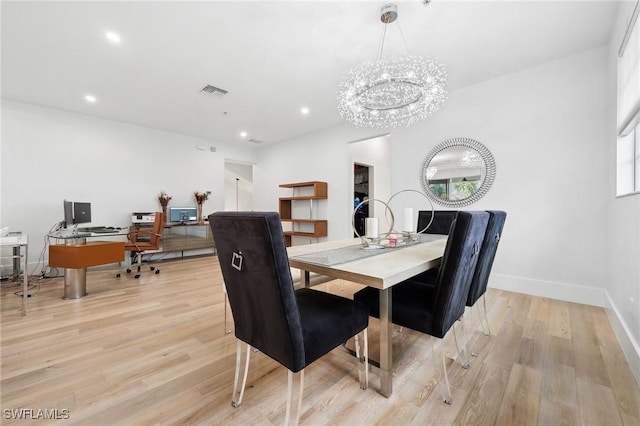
x=623, y=230
x=50, y=155
x=546, y=129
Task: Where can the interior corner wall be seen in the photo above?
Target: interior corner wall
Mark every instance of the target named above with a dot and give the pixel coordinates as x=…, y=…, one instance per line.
x=238, y=186
x=49, y=155
x=623, y=225
x=322, y=156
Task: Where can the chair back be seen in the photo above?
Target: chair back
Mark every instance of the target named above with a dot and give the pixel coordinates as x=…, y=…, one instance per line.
x=441, y=223
x=487, y=255
x=158, y=223
x=154, y=236
x=255, y=268
x=457, y=268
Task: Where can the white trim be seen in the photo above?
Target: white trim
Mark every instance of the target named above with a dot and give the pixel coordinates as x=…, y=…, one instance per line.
x=630, y=347
x=577, y=294
x=628, y=194
x=630, y=26
x=550, y=289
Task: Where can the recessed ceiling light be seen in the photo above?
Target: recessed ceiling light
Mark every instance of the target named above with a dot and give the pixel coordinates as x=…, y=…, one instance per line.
x=90, y=98
x=304, y=110
x=243, y=134
x=112, y=37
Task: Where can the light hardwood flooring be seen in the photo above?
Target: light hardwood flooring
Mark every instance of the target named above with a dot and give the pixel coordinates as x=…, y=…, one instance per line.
x=154, y=351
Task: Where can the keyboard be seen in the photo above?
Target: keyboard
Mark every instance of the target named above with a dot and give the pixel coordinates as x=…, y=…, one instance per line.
x=99, y=229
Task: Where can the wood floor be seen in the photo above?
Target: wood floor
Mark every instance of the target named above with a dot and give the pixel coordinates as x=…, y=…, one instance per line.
x=154, y=351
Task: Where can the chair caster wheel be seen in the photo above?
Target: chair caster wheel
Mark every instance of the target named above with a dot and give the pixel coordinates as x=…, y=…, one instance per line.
x=128, y=270
x=153, y=268
x=157, y=271
x=117, y=275
x=137, y=276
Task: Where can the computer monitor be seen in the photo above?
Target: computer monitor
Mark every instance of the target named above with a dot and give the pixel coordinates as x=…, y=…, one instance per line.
x=81, y=212
x=182, y=214
x=68, y=213
x=76, y=212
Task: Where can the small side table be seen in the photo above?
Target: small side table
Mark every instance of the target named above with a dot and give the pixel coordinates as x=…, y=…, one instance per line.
x=21, y=243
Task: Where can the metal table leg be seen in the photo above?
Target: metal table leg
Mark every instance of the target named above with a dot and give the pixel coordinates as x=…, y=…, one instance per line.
x=386, y=353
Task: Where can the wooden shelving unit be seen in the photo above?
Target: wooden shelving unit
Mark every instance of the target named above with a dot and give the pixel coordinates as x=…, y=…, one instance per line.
x=313, y=190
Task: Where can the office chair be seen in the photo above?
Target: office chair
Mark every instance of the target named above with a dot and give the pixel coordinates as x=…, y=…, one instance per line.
x=434, y=307
x=293, y=327
x=483, y=268
x=140, y=247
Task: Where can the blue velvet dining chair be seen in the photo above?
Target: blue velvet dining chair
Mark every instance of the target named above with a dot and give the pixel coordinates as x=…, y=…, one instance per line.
x=293, y=327
x=480, y=278
x=432, y=303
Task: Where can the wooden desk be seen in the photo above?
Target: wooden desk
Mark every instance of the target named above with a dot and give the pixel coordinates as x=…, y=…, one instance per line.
x=77, y=255
x=381, y=270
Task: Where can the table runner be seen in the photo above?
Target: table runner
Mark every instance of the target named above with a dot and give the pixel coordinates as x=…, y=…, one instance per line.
x=356, y=252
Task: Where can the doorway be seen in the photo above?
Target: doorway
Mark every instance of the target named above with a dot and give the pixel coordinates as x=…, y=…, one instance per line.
x=238, y=186
x=361, y=192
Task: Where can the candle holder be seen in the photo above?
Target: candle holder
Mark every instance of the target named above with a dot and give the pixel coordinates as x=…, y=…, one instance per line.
x=371, y=242
x=407, y=234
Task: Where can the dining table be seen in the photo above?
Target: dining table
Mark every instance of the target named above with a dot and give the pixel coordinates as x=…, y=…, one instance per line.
x=381, y=268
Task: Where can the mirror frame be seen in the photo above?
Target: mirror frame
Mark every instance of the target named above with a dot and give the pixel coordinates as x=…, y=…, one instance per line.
x=490, y=172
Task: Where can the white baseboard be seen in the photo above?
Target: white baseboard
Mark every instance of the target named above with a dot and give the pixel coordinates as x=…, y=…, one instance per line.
x=629, y=346
x=577, y=294
x=551, y=289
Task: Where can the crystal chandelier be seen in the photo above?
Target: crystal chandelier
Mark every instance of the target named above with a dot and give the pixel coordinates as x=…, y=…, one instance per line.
x=392, y=92
x=471, y=159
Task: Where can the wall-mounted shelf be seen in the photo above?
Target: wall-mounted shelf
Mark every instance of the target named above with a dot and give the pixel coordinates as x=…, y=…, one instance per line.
x=303, y=191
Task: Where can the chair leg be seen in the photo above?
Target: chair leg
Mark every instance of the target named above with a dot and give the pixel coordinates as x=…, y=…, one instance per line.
x=235, y=403
x=287, y=415
x=138, y=264
x=486, y=318
x=447, y=399
x=227, y=328
x=363, y=367
x=461, y=354
x=474, y=347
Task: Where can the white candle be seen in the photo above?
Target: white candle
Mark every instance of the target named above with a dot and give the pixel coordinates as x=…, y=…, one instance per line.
x=408, y=220
x=371, y=227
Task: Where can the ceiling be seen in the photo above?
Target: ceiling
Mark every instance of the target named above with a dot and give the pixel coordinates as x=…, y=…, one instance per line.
x=273, y=57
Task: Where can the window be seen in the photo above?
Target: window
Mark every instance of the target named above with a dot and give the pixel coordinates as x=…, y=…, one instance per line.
x=628, y=149
x=628, y=167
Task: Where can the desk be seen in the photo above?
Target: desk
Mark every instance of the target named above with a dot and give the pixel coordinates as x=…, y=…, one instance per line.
x=76, y=255
x=381, y=270
x=19, y=242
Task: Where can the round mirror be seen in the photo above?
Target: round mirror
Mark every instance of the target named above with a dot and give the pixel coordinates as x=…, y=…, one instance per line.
x=457, y=172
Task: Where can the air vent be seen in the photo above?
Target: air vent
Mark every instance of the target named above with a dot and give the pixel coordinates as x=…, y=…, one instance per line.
x=213, y=91
x=256, y=141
